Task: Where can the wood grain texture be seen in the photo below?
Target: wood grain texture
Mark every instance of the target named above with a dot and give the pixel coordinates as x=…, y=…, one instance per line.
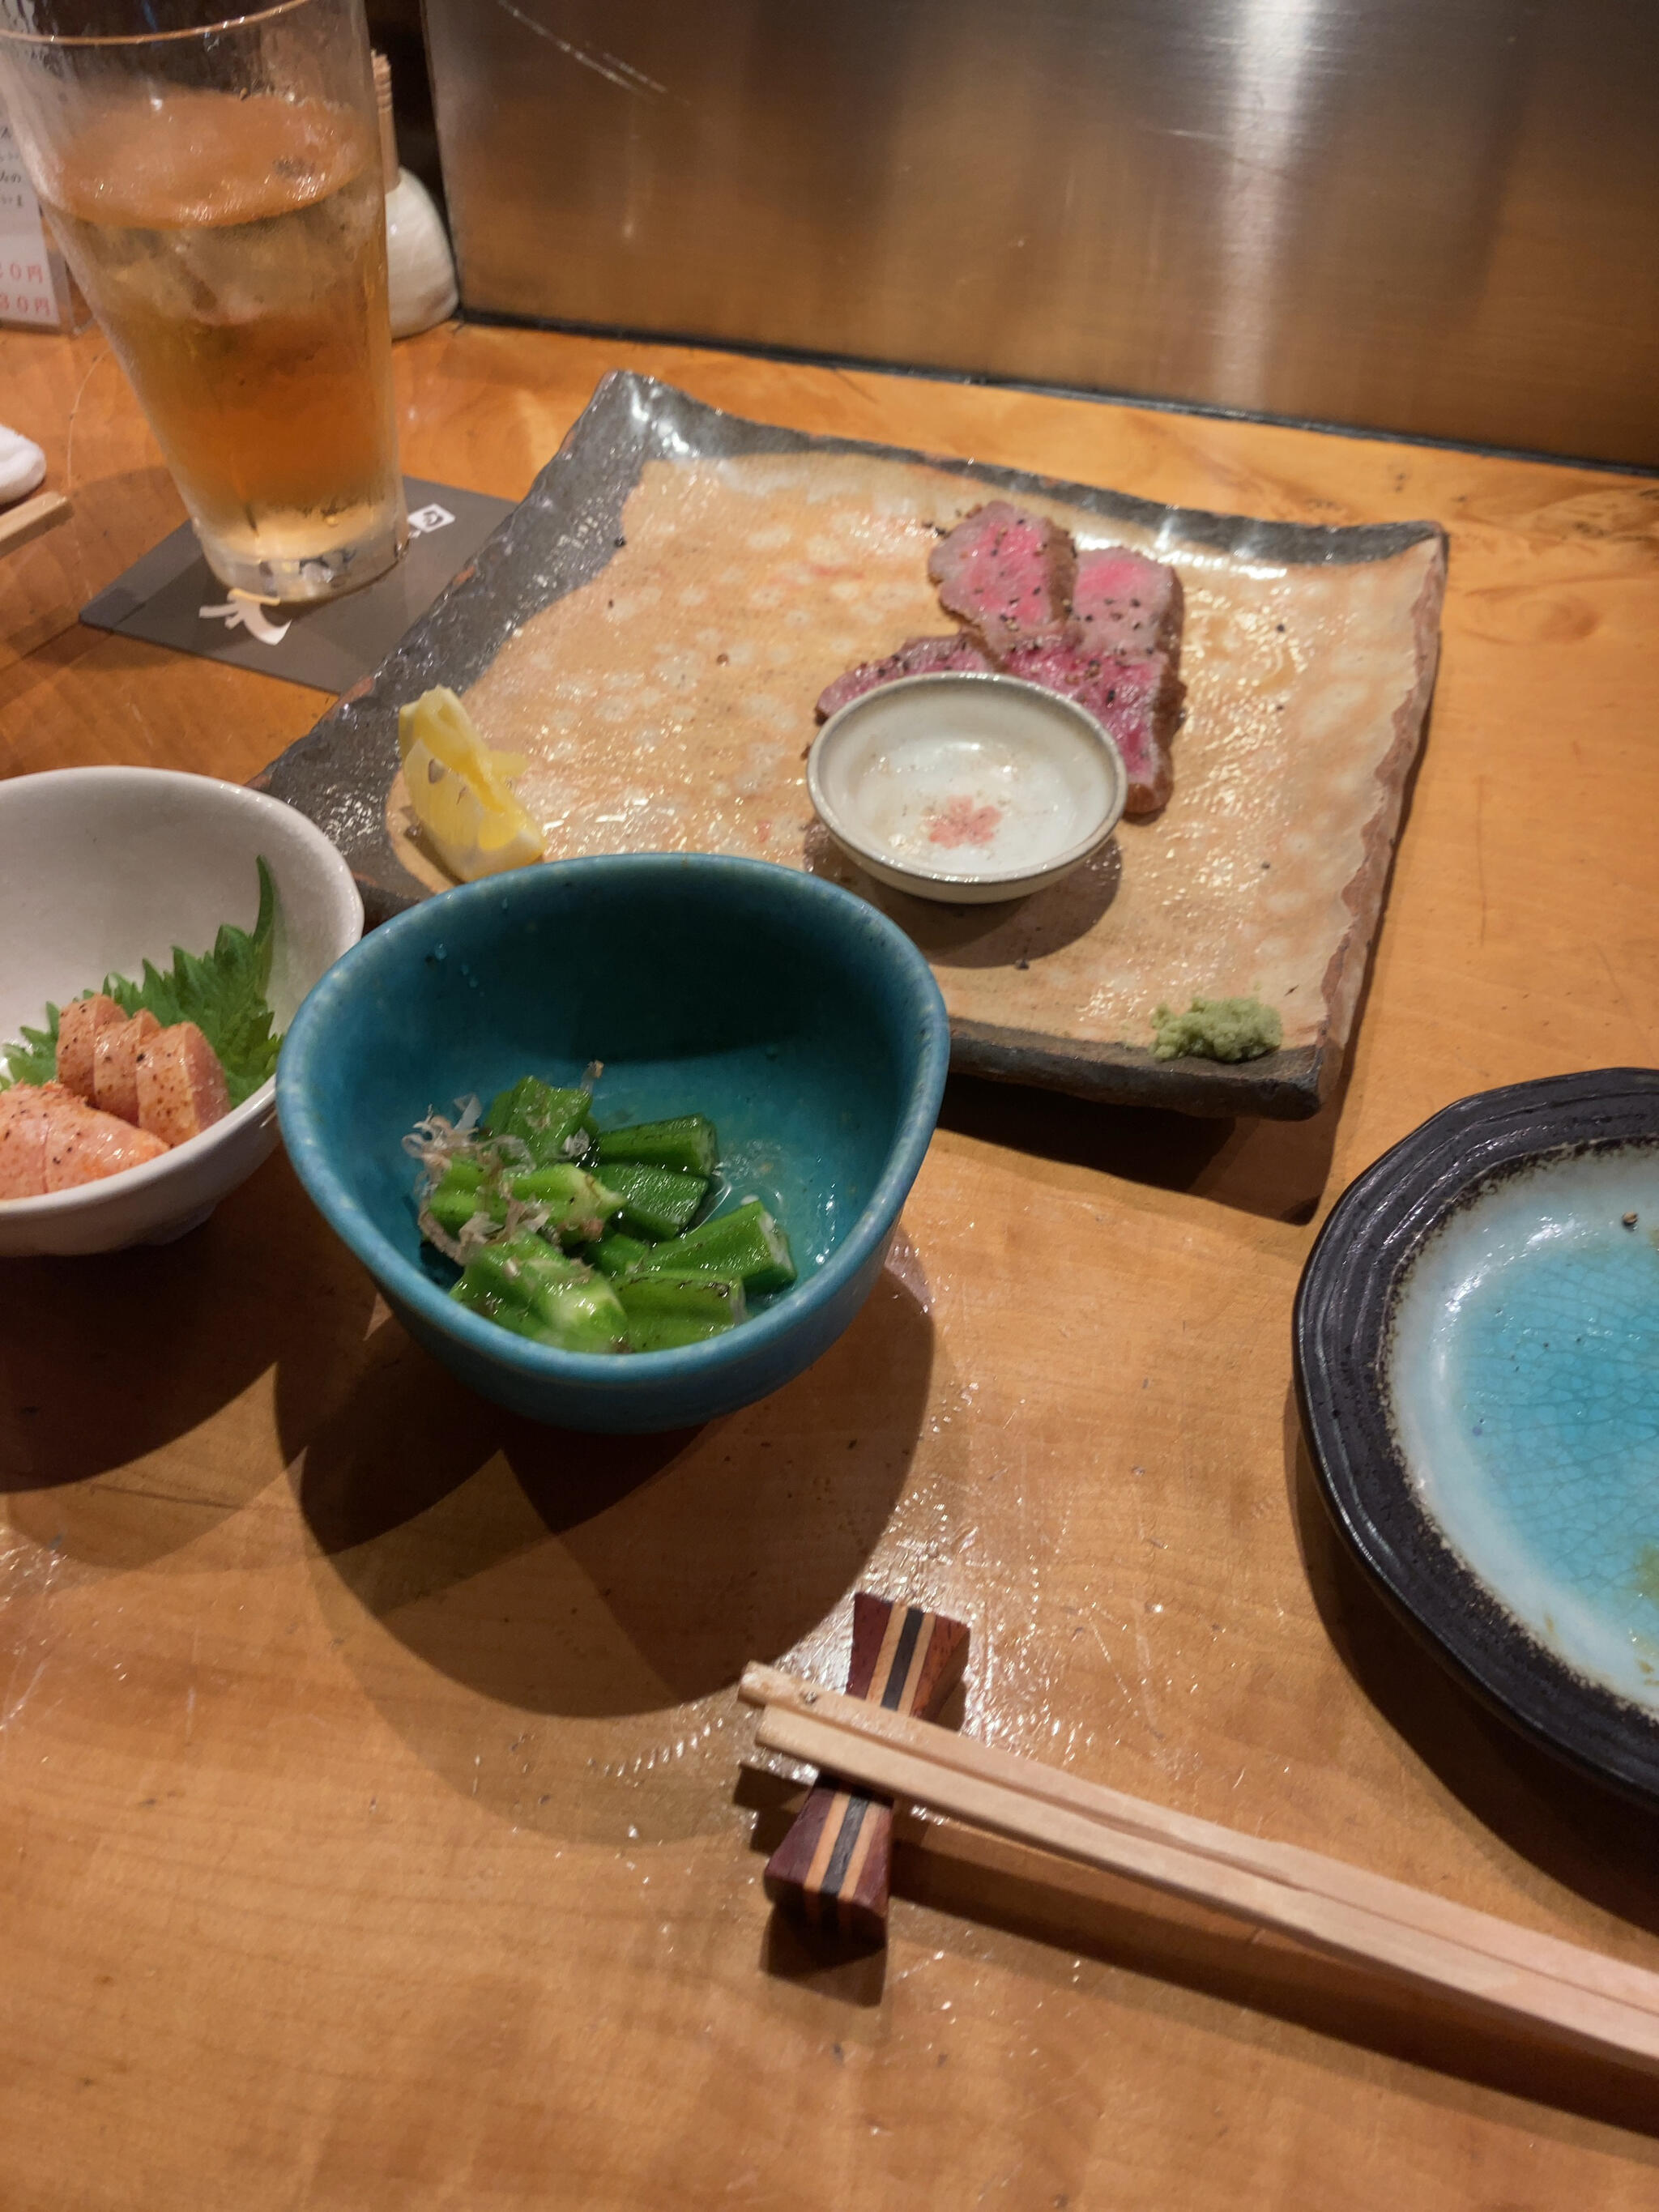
x=367, y=1816
x=833, y=1868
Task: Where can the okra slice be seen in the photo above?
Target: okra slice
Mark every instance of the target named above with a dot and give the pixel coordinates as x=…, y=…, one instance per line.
x=546, y=1120
x=747, y=1245
x=615, y=1254
x=531, y=1287
x=665, y=1312
x=454, y=1202
x=517, y=1272
x=687, y=1143
x=573, y=1316
x=577, y=1206
x=655, y=1201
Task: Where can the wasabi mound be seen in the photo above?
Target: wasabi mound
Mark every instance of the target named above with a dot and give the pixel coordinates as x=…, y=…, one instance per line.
x=1218, y=1029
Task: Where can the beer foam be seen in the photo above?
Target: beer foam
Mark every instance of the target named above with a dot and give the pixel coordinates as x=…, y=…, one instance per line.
x=206, y=159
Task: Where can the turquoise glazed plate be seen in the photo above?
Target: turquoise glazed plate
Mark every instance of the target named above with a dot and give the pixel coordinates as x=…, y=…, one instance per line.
x=1477, y=1345
x=803, y=1022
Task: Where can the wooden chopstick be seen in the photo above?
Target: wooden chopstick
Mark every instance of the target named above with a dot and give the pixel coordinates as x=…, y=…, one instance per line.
x=30, y=517
x=1583, y=1995
x=1286, y=1862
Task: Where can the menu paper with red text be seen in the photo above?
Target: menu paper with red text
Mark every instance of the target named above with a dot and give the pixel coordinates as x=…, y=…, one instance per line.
x=34, y=285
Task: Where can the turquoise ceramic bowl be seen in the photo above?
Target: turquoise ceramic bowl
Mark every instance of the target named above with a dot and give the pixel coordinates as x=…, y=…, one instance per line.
x=798, y=1017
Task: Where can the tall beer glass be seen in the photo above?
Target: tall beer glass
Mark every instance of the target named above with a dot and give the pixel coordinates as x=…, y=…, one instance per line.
x=217, y=187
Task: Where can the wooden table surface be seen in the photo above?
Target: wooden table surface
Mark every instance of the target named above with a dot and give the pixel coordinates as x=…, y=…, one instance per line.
x=374, y=1821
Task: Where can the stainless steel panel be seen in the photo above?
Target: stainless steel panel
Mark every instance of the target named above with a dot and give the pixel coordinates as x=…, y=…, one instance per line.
x=1436, y=216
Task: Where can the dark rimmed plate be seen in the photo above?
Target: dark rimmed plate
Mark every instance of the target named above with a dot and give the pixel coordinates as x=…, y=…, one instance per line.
x=1477, y=1360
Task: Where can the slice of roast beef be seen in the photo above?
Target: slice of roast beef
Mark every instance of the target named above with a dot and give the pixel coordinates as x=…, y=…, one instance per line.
x=1139, y=702
x=917, y=656
x=1009, y=574
x=1125, y=604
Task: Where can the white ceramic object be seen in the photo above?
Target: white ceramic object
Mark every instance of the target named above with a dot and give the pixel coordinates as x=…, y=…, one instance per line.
x=966, y=787
x=103, y=868
x=22, y=466
x=419, y=267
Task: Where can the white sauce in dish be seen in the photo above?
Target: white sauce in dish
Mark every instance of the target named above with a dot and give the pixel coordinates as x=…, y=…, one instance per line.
x=958, y=782
x=965, y=805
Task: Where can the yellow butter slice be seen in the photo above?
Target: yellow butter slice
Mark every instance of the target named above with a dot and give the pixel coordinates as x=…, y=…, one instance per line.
x=458, y=792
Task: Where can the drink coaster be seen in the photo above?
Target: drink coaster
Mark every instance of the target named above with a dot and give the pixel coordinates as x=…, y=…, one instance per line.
x=171, y=596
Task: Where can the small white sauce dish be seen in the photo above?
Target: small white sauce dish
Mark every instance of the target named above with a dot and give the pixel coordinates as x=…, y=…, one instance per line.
x=966, y=788
x=103, y=868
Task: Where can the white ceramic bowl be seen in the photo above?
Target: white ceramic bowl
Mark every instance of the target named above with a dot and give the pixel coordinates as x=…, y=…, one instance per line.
x=103, y=868
x=966, y=787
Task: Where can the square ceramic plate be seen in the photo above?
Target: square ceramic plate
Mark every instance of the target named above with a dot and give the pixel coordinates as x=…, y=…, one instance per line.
x=653, y=624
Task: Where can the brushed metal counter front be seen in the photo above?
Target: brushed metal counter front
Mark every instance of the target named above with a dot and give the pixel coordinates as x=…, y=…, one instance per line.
x=1443, y=221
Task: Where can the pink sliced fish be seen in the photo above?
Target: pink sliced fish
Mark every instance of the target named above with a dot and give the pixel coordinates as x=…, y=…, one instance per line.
x=1009, y=574
x=1139, y=702
x=115, y=1065
x=84, y=1146
x=181, y=1086
x=50, y=1140
x=25, y=1118
x=917, y=656
x=78, y=1027
x=1128, y=605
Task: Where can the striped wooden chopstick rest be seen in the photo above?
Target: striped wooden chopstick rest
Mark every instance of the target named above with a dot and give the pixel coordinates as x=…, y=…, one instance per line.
x=1536, y=1981
x=834, y=1866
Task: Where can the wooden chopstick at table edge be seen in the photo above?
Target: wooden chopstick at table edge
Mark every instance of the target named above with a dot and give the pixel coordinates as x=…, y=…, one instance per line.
x=1581, y=1994
x=30, y=517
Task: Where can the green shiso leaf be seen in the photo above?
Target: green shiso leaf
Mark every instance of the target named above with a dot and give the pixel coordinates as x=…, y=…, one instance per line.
x=33, y=1061
x=222, y=992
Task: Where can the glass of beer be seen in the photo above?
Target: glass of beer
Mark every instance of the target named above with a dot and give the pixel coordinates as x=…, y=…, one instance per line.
x=217, y=187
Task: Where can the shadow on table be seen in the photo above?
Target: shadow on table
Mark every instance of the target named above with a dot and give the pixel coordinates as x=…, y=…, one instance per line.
x=1574, y=1829
x=603, y=1593
x=107, y=1358
x=1276, y=1169
x=1070, y=1921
